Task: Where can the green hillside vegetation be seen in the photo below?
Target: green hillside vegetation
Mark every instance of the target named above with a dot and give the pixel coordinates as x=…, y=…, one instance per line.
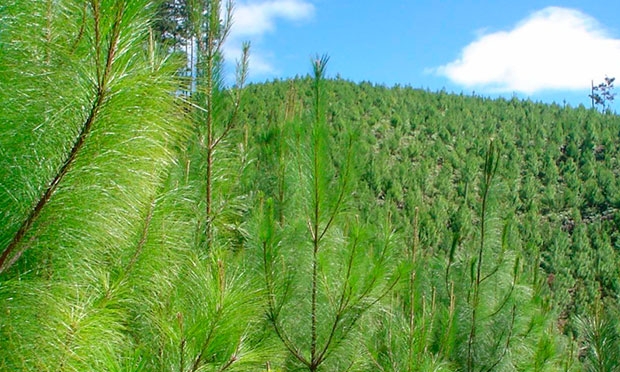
x=545, y=191
x=151, y=222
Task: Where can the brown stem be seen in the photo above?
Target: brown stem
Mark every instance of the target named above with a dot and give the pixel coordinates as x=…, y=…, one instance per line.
x=143, y=237
x=313, y=343
x=209, y=147
x=81, y=31
x=182, y=344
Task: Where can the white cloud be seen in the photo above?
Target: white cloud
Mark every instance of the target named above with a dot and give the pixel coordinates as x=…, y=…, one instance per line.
x=258, y=18
x=553, y=49
x=253, y=19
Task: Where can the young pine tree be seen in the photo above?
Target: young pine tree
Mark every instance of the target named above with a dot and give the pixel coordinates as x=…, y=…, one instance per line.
x=323, y=269
x=206, y=322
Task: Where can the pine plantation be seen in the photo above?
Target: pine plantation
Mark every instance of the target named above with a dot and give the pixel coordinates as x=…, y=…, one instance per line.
x=158, y=219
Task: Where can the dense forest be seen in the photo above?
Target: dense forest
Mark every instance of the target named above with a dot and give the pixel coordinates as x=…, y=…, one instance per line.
x=159, y=219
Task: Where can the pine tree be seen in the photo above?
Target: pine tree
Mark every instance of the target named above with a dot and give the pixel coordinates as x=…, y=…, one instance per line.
x=214, y=112
x=323, y=269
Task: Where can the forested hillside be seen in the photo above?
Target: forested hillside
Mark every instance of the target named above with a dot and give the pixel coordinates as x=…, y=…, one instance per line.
x=424, y=153
x=153, y=221
x=552, y=201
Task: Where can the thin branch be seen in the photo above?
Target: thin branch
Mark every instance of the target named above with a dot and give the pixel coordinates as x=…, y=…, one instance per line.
x=342, y=304
x=289, y=344
x=362, y=309
x=508, y=295
x=342, y=189
x=205, y=344
x=273, y=314
x=242, y=70
x=376, y=364
x=508, y=338
x=233, y=358
x=182, y=344
x=81, y=31
x=143, y=237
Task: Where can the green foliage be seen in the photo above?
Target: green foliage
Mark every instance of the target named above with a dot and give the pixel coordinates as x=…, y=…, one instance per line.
x=430, y=163
x=101, y=250
x=323, y=268
x=157, y=223
x=600, y=335
x=110, y=136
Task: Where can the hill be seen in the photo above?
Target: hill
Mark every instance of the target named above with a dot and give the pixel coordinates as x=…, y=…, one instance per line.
x=425, y=151
x=422, y=157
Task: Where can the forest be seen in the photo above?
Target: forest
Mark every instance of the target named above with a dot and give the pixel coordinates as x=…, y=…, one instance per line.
x=156, y=218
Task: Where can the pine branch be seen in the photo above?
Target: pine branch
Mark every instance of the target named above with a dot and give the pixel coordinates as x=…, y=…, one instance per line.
x=273, y=314
x=343, y=188
x=101, y=95
x=242, y=74
x=342, y=303
x=143, y=237
x=319, y=67
x=508, y=339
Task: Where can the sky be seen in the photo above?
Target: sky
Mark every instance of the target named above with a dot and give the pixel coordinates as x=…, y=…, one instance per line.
x=538, y=50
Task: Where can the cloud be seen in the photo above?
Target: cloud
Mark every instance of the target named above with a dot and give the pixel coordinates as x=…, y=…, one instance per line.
x=253, y=19
x=258, y=18
x=553, y=49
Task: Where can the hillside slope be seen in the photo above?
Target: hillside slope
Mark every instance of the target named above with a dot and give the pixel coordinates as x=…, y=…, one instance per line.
x=422, y=155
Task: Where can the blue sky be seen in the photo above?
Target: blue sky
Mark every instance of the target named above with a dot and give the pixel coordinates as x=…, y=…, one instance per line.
x=546, y=51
